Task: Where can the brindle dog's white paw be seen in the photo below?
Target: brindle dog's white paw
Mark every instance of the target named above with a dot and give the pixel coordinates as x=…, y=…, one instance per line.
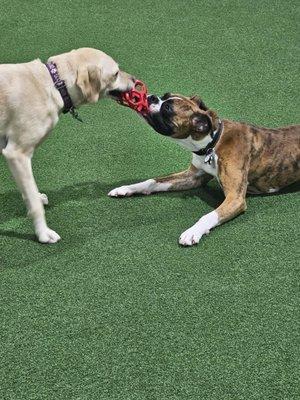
x=202, y=227
x=44, y=199
x=193, y=235
x=121, y=191
x=48, y=236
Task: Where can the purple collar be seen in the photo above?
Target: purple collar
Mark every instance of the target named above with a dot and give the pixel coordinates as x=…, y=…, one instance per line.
x=62, y=88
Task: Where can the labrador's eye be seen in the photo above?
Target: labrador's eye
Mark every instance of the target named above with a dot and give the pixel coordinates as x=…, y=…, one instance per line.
x=116, y=74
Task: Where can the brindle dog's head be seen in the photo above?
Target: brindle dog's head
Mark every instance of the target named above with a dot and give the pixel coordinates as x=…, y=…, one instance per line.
x=179, y=117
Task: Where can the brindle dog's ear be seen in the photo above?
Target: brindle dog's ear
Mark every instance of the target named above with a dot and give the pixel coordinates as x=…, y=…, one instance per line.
x=201, y=123
x=214, y=118
x=199, y=102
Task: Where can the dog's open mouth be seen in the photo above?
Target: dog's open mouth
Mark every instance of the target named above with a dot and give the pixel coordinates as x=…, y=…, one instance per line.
x=116, y=95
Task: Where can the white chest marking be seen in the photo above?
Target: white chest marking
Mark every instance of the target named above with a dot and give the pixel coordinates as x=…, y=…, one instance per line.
x=198, y=161
x=191, y=144
x=211, y=169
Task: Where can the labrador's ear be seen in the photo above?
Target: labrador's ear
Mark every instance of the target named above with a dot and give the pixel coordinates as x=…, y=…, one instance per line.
x=89, y=82
x=199, y=102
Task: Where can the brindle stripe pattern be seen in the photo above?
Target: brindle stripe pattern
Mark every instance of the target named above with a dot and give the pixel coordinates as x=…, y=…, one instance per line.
x=261, y=160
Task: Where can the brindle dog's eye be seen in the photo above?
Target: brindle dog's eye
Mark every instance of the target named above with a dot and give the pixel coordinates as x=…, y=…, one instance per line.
x=167, y=107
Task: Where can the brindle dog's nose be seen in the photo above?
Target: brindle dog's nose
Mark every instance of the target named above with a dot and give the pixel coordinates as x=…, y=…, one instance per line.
x=152, y=99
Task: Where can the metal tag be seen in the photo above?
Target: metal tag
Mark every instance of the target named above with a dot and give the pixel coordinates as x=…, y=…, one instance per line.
x=209, y=158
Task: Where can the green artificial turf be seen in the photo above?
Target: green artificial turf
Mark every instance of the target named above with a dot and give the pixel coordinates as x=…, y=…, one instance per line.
x=117, y=310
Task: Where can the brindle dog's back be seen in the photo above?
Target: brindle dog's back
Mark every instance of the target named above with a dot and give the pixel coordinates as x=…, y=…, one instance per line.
x=275, y=158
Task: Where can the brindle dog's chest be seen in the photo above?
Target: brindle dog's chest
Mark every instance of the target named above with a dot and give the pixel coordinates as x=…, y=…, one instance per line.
x=209, y=166
x=200, y=162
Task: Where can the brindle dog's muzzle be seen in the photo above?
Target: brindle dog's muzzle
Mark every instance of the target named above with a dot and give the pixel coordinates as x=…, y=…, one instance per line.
x=160, y=116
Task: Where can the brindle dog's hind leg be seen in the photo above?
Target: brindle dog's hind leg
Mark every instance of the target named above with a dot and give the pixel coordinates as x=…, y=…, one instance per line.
x=185, y=180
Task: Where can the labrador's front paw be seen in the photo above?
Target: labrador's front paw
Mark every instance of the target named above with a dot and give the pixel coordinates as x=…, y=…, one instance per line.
x=44, y=199
x=48, y=236
x=121, y=191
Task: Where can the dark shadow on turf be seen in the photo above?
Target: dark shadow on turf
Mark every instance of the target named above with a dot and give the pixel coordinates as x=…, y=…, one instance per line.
x=12, y=205
x=17, y=235
x=294, y=188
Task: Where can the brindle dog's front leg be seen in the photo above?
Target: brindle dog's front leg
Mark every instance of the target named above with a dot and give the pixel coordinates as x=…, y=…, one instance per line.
x=185, y=180
x=234, y=183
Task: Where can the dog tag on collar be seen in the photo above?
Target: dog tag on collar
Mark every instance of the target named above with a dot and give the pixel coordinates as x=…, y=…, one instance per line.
x=209, y=158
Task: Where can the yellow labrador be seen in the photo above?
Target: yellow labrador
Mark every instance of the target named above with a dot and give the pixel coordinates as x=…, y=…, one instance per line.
x=32, y=96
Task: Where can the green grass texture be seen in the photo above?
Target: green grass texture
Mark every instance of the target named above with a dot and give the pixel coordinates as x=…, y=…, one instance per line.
x=118, y=310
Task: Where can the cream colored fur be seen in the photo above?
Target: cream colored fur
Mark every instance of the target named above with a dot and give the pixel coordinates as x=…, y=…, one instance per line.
x=30, y=106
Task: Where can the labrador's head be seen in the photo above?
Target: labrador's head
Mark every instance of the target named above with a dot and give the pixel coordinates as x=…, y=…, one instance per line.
x=96, y=74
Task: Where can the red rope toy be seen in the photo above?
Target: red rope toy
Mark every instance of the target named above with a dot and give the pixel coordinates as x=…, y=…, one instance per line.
x=136, y=98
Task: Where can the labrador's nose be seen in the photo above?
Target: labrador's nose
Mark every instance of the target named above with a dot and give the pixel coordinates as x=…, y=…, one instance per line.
x=152, y=99
x=131, y=82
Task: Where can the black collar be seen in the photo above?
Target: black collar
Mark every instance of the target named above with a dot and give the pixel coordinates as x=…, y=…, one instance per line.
x=215, y=136
x=62, y=88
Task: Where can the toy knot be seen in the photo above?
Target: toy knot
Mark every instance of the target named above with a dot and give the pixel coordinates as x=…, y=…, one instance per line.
x=136, y=98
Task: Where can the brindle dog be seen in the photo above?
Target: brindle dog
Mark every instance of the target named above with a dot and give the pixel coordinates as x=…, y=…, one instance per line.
x=244, y=158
